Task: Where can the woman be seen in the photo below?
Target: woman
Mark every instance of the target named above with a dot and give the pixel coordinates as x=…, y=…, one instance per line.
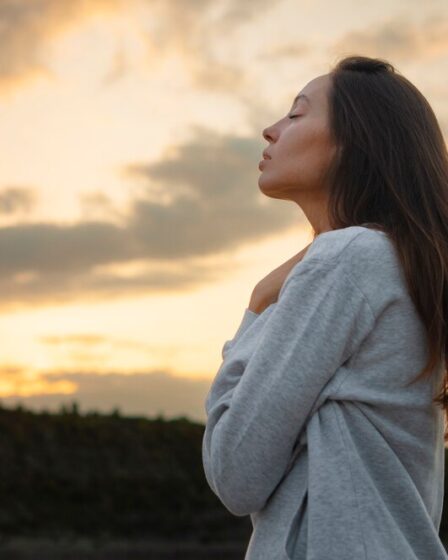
x=324, y=422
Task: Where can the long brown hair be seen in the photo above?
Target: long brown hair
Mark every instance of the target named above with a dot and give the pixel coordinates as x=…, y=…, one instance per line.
x=391, y=171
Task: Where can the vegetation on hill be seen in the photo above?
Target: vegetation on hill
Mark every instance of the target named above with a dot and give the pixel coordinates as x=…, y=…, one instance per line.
x=108, y=475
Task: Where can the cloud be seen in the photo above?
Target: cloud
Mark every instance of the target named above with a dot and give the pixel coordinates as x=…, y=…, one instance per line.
x=216, y=203
x=16, y=199
x=293, y=50
x=95, y=205
x=399, y=38
x=192, y=31
x=201, y=199
x=145, y=394
x=236, y=12
x=93, y=346
x=185, y=28
x=28, y=27
x=83, y=339
x=120, y=66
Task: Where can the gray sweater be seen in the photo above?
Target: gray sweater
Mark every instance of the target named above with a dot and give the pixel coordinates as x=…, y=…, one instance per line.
x=310, y=427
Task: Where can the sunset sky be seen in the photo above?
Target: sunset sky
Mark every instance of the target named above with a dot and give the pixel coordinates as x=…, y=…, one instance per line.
x=132, y=226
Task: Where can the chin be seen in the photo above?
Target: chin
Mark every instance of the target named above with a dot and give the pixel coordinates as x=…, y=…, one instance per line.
x=268, y=188
x=270, y=191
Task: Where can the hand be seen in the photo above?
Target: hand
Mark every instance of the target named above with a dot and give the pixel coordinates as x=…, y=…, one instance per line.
x=267, y=290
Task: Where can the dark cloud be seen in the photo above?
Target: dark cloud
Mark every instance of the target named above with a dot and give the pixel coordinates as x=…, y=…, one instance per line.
x=146, y=394
x=217, y=204
x=199, y=200
x=97, y=205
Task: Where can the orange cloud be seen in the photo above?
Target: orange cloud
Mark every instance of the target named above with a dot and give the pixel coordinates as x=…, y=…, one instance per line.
x=28, y=27
x=144, y=394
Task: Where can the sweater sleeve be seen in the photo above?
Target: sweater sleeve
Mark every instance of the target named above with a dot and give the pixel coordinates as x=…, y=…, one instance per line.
x=249, y=317
x=255, y=416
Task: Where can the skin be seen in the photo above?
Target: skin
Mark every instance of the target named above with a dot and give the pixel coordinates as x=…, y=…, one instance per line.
x=301, y=150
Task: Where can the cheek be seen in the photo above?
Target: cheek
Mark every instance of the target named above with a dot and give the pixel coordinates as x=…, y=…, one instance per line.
x=309, y=157
x=309, y=150
x=304, y=138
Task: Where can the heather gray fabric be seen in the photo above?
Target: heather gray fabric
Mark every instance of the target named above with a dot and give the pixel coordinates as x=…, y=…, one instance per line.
x=310, y=429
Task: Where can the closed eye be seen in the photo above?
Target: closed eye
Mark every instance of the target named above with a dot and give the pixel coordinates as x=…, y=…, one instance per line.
x=294, y=116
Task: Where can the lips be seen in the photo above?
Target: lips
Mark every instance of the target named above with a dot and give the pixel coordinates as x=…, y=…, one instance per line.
x=266, y=155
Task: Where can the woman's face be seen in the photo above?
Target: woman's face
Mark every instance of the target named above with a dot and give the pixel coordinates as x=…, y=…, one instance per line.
x=300, y=147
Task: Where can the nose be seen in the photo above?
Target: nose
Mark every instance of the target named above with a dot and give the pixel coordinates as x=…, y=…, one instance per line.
x=267, y=134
